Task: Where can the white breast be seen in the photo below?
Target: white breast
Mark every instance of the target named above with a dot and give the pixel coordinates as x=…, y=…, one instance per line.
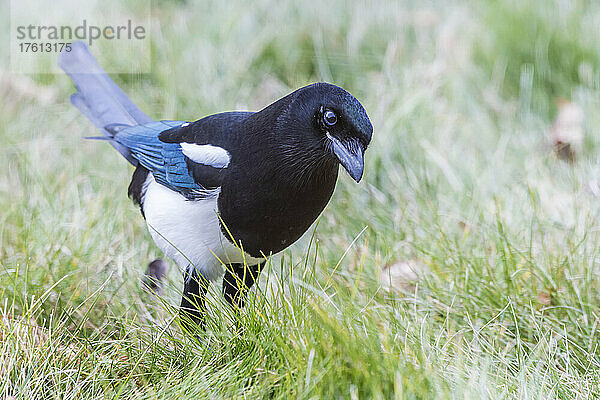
x=188, y=232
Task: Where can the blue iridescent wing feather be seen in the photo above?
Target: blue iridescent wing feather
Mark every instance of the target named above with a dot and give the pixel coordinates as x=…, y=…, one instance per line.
x=165, y=160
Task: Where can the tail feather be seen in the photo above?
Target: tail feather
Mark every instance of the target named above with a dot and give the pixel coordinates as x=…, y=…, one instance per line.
x=105, y=138
x=98, y=97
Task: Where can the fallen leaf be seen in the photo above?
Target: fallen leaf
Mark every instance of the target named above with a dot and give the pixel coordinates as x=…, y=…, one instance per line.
x=545, y=298
x=27, y=332
x=566, y=132
x=401, y=275
x=22, y=86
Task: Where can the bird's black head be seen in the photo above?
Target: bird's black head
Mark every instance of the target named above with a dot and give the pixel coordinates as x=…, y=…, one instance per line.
x=332, y=122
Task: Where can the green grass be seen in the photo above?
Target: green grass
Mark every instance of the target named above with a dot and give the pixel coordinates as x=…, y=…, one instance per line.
x=460, y=180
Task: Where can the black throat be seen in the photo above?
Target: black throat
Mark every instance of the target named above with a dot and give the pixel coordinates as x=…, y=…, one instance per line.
x=280, y=189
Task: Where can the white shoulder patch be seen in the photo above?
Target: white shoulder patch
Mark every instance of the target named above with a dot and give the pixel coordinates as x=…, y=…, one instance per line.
x=206, y=154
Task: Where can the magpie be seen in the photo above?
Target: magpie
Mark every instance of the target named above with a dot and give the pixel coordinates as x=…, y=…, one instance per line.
x=225, y=192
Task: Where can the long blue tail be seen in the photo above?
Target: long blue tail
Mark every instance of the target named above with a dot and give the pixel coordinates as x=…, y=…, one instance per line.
x=98, y=97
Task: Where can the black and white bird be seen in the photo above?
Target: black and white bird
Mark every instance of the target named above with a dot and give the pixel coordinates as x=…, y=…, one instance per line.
x=226, y=191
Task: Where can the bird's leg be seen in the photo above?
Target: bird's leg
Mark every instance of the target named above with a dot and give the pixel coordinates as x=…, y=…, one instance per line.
x=237, y=281
x=193, y=309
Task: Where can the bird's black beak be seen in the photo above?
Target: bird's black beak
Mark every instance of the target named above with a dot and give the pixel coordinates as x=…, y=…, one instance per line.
x=350, y=154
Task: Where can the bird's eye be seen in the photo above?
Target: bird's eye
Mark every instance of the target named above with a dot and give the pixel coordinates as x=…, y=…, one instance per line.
x=329, y=117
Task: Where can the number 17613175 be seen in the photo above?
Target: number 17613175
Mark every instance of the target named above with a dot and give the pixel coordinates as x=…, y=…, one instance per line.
x=44, y=47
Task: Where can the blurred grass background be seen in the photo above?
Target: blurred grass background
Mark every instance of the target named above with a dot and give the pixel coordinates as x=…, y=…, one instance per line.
x=465, y=265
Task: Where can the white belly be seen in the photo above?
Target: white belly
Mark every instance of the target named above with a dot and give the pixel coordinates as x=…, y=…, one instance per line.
x=188, y=232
